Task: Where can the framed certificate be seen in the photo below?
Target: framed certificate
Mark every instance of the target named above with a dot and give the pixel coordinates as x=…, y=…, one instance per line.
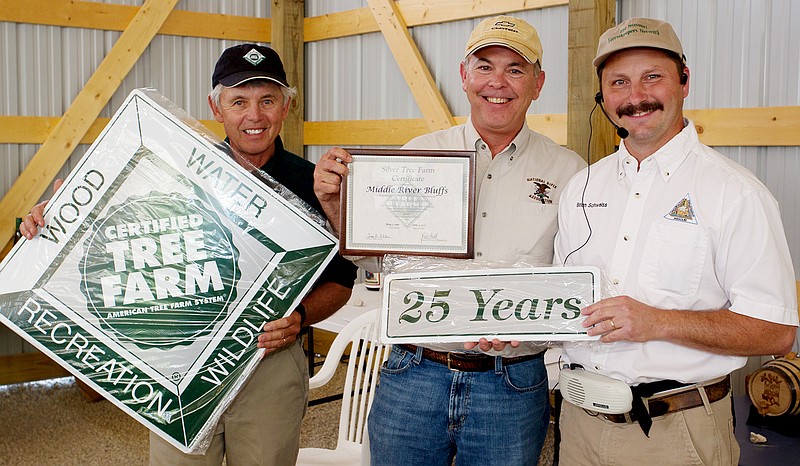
x=417, y=202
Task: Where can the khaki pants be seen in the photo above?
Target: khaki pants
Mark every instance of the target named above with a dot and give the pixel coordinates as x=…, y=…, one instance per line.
x=687, y=437
x=261, y=426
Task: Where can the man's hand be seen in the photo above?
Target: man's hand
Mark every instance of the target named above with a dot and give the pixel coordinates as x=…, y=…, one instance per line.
x=719, y=331
x=328, y=175
x=486, y=345
x=280, y=333
x=622, y=318
x=33, y=221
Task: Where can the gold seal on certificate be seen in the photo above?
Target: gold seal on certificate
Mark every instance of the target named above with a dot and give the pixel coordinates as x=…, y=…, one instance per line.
x=417, y=202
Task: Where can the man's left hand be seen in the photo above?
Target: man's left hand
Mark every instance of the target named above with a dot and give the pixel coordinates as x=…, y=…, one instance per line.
x=486, y=345
x=621, y=318
x=280, y=333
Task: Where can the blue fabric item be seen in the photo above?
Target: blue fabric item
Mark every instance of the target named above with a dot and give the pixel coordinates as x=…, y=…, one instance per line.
x=425, y=414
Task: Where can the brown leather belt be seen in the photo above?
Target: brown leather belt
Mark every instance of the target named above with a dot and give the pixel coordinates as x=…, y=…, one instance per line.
x=671, y=403
x=467, y=362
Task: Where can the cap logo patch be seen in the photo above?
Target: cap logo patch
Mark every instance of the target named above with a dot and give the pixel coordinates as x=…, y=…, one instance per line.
x=254, y=56
x=683, y=211
x=507, y=25
x=632, y=29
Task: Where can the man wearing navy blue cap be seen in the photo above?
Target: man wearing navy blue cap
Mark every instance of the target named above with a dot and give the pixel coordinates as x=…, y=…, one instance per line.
x=251, y=98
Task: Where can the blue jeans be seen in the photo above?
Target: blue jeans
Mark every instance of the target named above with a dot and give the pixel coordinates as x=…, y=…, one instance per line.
x=425, y=414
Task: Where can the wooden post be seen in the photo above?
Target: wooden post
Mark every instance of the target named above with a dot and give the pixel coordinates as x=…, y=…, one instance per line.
x=287, y=40
x=588, y=19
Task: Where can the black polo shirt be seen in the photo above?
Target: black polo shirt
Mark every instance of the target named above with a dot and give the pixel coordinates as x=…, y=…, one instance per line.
x=297, y=174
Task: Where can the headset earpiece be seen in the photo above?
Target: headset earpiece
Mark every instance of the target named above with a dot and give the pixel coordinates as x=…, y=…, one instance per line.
x=598, y=97
x=684, y=78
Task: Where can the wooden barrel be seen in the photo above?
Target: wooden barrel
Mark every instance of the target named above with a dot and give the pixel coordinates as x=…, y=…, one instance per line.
x=774, y=389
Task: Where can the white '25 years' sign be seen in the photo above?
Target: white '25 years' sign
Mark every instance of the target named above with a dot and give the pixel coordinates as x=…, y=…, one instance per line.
x=525, y=304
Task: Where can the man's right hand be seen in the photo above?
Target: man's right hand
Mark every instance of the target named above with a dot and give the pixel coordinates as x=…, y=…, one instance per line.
x=33, y=221
x=328, y=175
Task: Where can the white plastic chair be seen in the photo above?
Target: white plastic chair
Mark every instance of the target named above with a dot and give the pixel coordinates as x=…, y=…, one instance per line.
x=363, y=369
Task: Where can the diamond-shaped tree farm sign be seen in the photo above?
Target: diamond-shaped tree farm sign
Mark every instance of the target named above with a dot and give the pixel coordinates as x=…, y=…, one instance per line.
x=160, y=261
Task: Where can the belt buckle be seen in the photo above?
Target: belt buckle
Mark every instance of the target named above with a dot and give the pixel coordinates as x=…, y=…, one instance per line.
x=451, y=368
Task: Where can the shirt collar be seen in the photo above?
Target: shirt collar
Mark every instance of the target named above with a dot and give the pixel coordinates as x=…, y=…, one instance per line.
x=473, y=139
x=668, y=157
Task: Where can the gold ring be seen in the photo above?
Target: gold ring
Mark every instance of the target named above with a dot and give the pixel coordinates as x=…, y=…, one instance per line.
x=611, y=321
x=284, y=341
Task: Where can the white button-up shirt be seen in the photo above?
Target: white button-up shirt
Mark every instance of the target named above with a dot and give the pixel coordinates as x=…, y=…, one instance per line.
x=690, y=229
x=517, y=197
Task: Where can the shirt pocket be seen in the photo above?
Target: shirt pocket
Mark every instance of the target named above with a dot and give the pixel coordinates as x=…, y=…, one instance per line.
x=531, y=231
x=673, y=259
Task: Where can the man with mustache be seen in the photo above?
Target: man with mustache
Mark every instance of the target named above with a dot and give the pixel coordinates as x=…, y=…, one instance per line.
x=695, y=257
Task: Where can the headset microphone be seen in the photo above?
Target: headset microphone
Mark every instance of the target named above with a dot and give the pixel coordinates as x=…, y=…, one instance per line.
x=621, y=132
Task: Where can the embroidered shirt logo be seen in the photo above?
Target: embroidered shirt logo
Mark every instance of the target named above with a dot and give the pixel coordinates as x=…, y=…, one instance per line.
x=542, y=192
x=683, y=211
x=254, y=56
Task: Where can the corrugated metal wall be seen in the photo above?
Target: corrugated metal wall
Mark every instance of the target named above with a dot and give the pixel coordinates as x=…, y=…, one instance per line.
x=741, y=53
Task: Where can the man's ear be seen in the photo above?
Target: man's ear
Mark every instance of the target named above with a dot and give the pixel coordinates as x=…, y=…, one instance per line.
x=463, y=71
x=539, y=83
x=214, y=110
x=287, y=107
x=685, y=81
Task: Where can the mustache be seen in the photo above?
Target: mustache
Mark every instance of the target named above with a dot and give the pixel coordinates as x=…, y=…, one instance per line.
x=640, y=108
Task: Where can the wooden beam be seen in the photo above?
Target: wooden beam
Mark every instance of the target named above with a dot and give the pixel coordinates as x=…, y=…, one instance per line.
x=78, y=119
x=35, y=130
x=415, y=13
x=110, y=17
x=28, y=367
x=588, y=19
x=739, y=127
x=363, y=132
x=429, y=100
x=287, y=40
x=758, y=126
x=400, y=131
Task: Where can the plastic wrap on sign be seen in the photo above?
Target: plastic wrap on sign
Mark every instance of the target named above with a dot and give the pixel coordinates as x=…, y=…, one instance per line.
x=443, y=301
x=160, y=261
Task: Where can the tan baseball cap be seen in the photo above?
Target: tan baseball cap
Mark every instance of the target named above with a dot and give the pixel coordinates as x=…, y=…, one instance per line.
x=509, y=32
x=638, y=32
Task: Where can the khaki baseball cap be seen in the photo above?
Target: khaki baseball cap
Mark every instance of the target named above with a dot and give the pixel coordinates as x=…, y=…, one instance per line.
x=509, y=32
x=638, y=32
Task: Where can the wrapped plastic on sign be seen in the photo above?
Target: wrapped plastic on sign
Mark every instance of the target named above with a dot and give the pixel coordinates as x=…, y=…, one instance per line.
x=435, y=300
x=160, y=261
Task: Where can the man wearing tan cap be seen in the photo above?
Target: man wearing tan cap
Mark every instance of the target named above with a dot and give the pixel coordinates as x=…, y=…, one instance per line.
x=696, y=259
x=486, y=407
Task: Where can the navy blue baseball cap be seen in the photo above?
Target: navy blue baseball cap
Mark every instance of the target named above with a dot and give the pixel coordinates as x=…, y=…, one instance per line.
x=246, y=62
